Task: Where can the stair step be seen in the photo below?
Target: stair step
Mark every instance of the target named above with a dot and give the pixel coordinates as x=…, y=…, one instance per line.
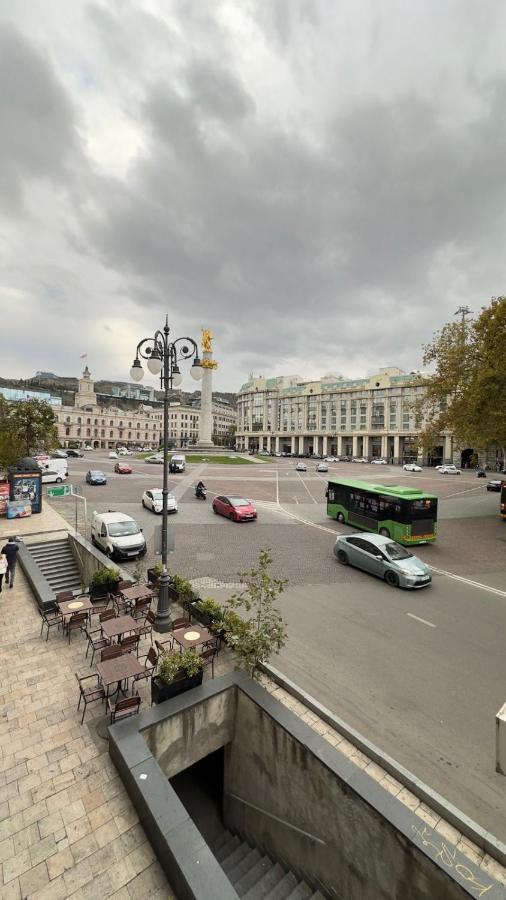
x=266, y=884
x=253, y=876
x=64, y=553
x=227, y=848
x=317, y=896
x=301, y=892
x=220, y=841
x=246, y=863
x=230, y=862
x=283, y=888
x=49, y=547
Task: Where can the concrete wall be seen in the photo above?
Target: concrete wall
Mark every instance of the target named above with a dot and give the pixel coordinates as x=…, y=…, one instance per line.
x=181, y=740
x=335, y=828
x=89, y=559
x=500, y=741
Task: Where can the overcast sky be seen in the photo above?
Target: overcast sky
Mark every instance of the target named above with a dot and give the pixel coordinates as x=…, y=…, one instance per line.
x=320, y=182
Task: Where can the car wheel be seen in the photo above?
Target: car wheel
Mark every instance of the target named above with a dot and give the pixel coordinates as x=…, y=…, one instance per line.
x=58, y=481
x=342, y=557
x=384, y=532
x=340, y=517
x=391, y=578
x=215, y=511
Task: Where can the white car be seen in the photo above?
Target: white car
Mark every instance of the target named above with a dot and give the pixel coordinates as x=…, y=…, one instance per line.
x=87, y=447
x=322, y=467
x=379, y=462
x=360, y=459
x=154, y=459
x=331, y=459
x=124, y=451
x=49, y=477
x=153, y=500
x=301, y=467
x=412, y=467
x=112, y=454
x=449, y=470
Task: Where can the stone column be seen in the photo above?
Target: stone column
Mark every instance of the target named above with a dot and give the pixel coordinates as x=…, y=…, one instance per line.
x=384, y=446
x=205, y=441
x=396, y=449
x=324, y=449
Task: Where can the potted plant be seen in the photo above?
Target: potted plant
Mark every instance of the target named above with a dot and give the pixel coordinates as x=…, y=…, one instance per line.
x=207, y=612
x=183, y=592
x=177, y=672
x=103, y=581
x=154, y=574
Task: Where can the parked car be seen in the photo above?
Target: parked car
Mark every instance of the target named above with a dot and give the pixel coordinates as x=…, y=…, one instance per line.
x=331, y=459
x=93, y=476
x=322, y=467
x=49, y=477
x=345, y=459
x=153, y=500
x=154, y=459
x=75, y=453
x=494, y=485
x=236, y=508
x=59, y=454
x=118, y=535
x=384, y=558
x=412, y=467
x=124, y=451
x=113, y=454
x=123, y=468
x=301, y=467
x=359, y=459
x=379, y=462
x=87, y=447
x=449, y=470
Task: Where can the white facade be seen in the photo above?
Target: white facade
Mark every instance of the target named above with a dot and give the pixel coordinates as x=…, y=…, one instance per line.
x=370, y=417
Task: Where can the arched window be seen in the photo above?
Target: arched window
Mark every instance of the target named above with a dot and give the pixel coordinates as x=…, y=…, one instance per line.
x=103, y=421
x=78, y=420
x=102, y=433
x=67, y=431
x=88, y=432
x=95, y=422
x=88, y=421
x=111, y=423
x=111, y=434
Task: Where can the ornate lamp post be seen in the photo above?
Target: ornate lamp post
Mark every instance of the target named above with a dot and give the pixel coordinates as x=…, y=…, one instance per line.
x=162, y=356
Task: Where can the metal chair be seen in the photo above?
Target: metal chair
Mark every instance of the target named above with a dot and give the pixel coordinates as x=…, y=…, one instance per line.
x=128, y=706
x=151, y=662
x=64, y=595
x=77, y=622
x=49, y=619
x=180, y=623
x=162, y=648
x=110, y=652
x=129, y=642
x=147, y=627
x=141, y=607
x=208, y=655
x=89, y=694
x=97, y=641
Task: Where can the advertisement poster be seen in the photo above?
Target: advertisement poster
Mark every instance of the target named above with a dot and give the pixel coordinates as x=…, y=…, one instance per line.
x=27, y=487
x=18, y=509
x=4, y=497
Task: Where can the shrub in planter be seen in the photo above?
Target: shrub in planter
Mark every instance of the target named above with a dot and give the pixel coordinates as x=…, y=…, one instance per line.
x=207, y=612
x=182, y=587
x=154, y=574
x=103, y=581
x=177, y=672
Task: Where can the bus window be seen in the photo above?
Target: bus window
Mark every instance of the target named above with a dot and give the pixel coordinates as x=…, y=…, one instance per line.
x=372, y=507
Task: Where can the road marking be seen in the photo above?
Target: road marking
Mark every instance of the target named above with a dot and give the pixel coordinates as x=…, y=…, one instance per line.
x=468, y=491
x=478, y=584
x=307, y=489
x=277, y=487
x=418, y=619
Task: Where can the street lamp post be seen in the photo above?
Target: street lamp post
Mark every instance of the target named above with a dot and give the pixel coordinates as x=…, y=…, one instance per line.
x=162, y=356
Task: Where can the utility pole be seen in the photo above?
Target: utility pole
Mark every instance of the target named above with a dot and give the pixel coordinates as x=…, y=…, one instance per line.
x=463, y=311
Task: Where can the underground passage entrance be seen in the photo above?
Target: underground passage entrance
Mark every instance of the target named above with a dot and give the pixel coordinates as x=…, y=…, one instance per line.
x=200, y=789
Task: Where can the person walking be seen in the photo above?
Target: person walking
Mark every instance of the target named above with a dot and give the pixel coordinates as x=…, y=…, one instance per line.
x=11, y=550
x=3, y=568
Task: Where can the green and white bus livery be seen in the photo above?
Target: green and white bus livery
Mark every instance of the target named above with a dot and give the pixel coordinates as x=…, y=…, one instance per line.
x=406, y=515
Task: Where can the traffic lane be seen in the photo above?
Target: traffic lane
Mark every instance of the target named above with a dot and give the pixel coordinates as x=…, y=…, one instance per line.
x=422, y=694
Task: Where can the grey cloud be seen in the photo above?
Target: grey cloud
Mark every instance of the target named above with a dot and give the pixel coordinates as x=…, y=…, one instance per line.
x=36, y=118
x=217, y=92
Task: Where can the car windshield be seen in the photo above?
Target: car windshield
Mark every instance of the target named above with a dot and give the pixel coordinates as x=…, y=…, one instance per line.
x=157, y=495
x=121, y=529
x=395, y=551
x=97, y=474
x=238, y=501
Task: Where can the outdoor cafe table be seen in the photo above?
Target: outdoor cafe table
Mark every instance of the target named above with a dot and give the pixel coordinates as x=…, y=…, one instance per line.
x=117, y=669
x=137, y=592
x=79, y=604
x=192, y=636
x=112, y=628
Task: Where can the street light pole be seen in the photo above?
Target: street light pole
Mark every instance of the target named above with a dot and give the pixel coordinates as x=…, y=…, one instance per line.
x=162, y=356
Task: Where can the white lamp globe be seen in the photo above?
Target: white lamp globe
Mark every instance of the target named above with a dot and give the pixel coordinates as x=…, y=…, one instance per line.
x=177, y=379
x=155, y=364
x=196, y=371
x=136, y=372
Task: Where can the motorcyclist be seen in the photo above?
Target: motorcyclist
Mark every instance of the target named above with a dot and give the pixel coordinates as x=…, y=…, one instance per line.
x=200, y=489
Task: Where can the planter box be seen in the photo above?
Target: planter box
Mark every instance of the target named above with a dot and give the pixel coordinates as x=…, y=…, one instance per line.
x=101, y=590
x=161, y=691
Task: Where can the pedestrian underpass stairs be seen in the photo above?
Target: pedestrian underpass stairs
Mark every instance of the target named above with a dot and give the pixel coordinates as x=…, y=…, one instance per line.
x=56, y=562
x=255, y=876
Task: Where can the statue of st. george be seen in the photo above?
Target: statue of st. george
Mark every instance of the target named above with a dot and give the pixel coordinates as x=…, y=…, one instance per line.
x=207, y=339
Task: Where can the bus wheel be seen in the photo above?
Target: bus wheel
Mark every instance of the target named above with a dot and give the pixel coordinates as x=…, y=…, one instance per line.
x=342, y=557
x=385, y=532
x=391, y=579
x=340, y=517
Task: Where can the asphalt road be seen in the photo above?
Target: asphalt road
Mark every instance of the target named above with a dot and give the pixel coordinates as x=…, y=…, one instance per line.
x=421, y=674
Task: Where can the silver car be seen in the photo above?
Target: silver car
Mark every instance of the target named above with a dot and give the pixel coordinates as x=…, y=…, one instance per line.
x=384, y=558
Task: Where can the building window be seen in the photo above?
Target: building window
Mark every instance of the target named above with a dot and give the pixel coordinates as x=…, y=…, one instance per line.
x=88, y=421
x=111, y=422
x=102, y=433
x=111, y=434
x=78, y=420
x=95, y=422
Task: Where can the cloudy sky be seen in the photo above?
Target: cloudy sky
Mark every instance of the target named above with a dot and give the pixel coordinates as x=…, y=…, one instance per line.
x=320, y=182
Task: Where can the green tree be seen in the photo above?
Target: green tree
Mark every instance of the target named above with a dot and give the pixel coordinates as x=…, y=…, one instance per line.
x=465, y=395
x=256, y=638
x=25, y=426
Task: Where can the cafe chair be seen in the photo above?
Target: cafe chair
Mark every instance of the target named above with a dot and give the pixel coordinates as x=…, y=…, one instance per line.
x=77, y=622
x=129, y=642
x=165, y=646
x=127, y=706
x=50, y=618
x=180, y=623
x=141, y=607
x=64, y=595
x=96, y=641
x=89, y=693
x=208, y=655
x=151, y=662
x=147, y=626
x=110, y=652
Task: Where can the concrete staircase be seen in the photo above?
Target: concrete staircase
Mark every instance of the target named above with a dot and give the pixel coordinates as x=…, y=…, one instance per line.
x=256, y=877
x=57, y=564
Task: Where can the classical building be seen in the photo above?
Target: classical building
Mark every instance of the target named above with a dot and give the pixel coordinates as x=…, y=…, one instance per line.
x=91, y=421
x=370, y=417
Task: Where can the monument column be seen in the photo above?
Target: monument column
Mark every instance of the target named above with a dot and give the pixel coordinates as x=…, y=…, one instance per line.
x=206, y=395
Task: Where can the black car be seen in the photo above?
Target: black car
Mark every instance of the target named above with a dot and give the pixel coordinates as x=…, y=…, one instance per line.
x=494, y=485
x=480, y=473
x=93, y=476
x=73, y=452
x=345, y=458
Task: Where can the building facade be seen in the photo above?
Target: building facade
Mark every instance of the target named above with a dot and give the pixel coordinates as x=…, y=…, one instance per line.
x=364, y=417
x=91, y=422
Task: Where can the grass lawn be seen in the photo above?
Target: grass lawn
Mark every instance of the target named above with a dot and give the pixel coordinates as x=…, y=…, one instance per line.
x=223, y=460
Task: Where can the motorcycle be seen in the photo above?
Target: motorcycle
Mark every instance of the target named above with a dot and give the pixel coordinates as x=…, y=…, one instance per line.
x=200, y=493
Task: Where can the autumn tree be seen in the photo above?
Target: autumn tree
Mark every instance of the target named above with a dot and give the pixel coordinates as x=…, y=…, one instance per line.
x=25, y=426
x=465, y=395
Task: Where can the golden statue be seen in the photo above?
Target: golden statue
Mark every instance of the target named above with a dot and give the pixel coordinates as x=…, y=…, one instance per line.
x=207, y=338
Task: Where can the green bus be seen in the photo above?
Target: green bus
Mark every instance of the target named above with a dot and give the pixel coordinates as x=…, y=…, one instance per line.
x=403, y=513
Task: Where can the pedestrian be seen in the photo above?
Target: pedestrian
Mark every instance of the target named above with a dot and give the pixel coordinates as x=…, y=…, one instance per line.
x=11, y=550
x=3, y=568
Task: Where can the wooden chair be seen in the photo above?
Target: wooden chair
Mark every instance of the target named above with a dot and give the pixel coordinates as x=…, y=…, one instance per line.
x=180, y=623
x=162, y=648
x=129, y=642
x=89, y=694
x=77, y=622
x=96, y=641
x=150, y=664
x=141, y=607
x=64, y=595
x=207, y=656
x=110, y=652
x=147, y=626
x=128, y=706
x=106, y=615
x=100, y=604
x=49, y=619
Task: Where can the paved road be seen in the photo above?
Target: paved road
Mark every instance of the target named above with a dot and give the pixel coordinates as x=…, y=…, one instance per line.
x=421, y=674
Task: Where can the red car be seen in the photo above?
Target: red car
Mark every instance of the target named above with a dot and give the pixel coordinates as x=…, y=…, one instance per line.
x=236, y=508
x=123, y=468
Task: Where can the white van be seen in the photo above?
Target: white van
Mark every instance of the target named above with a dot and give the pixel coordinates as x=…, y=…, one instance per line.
x=117, y=535
x=47, y=463
x=177, y=463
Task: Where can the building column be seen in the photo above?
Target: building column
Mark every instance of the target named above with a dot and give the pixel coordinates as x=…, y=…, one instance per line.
x=339, y=442
x=354, y=445
x=448, y=449
x=396, y=449
x=269, y=443
x=293, y=439
x=301, y=444
x=384, y=446
x=324, y=449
